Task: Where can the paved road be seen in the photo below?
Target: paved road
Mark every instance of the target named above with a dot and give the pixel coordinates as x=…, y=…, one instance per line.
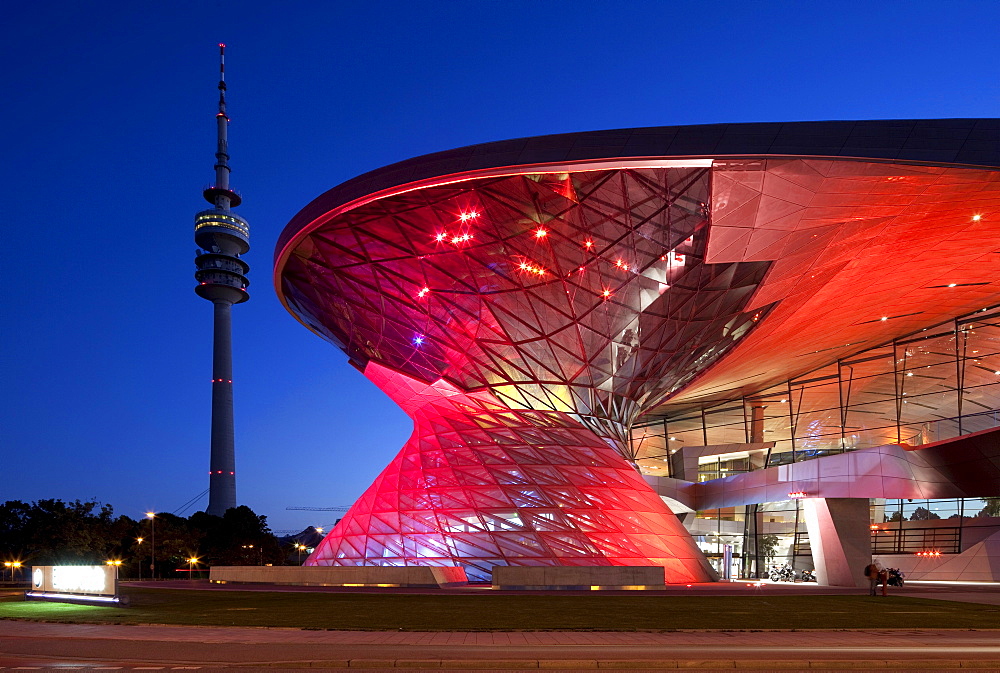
x=28, y=644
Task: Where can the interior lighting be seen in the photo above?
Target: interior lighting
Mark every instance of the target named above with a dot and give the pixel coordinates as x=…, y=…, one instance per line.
x=784, y=401
x=423, y=292
x=797, y=494
x=541, y=233
x=588, y=244
x=530, y=268
x=884, y=318
x=440, y=237
x=952, y=284
x=418, y=339
x=977, y=217
x=873, y=526
x=909, y=373
x=468, y=215
x=606, y=294
x=673, y=439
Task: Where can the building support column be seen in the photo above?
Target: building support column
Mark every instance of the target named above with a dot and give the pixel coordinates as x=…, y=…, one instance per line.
x=840, y=539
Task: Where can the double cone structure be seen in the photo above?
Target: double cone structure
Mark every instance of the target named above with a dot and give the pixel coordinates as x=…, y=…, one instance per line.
x=537, y=314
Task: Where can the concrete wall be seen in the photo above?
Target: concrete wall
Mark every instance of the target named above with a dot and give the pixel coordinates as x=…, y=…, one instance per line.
x=840, y=539
x=978, y=563
x=578, y=577
x=330, y=576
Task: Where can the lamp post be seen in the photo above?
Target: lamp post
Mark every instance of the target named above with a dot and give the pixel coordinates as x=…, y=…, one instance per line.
x=117, y=563
x=299, y=547
x=138, y=552
x=260, y=552
x=191, y=561
x=152, y=545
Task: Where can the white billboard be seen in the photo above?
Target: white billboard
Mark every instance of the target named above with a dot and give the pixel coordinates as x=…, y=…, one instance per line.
x=75, y=580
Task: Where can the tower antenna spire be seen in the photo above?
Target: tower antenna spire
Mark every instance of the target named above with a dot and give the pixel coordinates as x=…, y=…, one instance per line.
x=222, y=80
x=222, y=236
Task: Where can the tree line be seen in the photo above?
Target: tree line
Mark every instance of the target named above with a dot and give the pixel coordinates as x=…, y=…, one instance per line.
x=54, y=532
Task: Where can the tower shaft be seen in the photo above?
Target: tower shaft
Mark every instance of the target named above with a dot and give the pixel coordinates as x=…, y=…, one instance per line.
x=222, y=480
x=222, y=236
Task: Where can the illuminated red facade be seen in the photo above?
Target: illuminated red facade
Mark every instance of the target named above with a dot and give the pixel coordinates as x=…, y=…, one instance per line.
x=525, y=302
x=480, y=484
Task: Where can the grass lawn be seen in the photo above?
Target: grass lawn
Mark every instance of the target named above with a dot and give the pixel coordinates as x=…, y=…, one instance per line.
x=449, y=612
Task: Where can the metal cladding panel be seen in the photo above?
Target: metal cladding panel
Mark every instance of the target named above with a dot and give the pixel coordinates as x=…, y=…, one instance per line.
x=958, y=141
x=480, y=485
x=585, y=293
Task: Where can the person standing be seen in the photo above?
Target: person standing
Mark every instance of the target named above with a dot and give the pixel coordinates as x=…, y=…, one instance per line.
x=872, y=571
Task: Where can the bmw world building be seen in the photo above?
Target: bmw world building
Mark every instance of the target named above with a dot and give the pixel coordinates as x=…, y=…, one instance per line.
x=713, y=348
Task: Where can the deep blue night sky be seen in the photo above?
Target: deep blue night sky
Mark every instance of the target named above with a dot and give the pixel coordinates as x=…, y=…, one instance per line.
x=108, y=139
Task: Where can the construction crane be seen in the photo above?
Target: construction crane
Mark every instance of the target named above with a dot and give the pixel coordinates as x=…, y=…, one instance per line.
x=320, y=509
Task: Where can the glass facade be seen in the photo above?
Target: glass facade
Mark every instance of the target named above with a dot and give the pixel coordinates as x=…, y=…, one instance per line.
x=937, y=384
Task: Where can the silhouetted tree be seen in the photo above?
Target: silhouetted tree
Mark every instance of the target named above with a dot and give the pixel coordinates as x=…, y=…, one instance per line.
x=52, y=532
x=923, y=514
x=992, y=507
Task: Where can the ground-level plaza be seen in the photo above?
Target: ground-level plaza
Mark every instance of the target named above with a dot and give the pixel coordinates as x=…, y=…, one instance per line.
x=904, y=640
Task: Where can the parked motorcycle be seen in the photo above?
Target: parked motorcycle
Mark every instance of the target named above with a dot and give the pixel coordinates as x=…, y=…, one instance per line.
x=783, y=574
x=895, y=577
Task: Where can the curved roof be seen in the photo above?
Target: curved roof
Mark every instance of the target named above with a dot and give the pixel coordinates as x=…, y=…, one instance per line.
x=838, y=236
x=974, y=142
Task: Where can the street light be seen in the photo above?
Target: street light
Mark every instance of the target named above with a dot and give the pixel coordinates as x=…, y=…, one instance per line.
x=138, y=543
x=260, y=552
x=117, y=563
x=191, y=561
x=299, y=547
x=12, y=565
x=152, y=545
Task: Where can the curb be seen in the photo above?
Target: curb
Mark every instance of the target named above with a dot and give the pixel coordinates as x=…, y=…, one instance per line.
x=646, y=664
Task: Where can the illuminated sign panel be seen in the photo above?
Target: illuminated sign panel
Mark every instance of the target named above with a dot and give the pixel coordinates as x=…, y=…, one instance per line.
x=74, y=582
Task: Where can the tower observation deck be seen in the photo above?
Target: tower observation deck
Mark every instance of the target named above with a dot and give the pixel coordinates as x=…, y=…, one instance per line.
x=222, y=236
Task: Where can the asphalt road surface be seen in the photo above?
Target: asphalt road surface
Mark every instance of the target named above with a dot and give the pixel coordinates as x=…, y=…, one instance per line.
x=29, y=645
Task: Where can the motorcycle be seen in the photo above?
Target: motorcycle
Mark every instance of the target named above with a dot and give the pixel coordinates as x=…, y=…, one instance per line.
x=784, y=574
x=895, y=577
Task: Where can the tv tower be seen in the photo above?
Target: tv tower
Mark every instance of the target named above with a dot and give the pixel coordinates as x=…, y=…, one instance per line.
x=222, y=236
